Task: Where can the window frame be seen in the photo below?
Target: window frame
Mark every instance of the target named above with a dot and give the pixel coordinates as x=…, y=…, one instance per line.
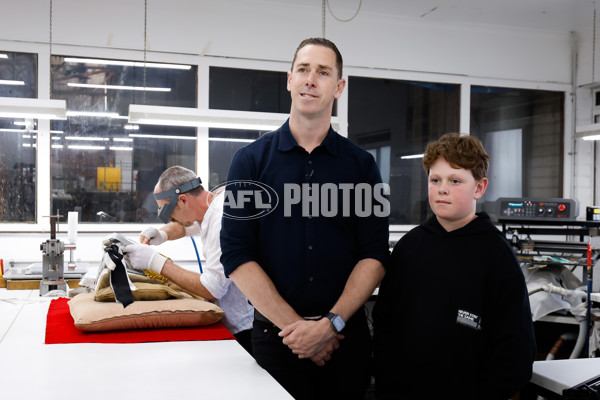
x=203, y=63
x=465, y=83
x=35, y=89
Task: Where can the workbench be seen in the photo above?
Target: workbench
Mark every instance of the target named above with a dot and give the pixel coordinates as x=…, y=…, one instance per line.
x=554, y=376
x=195, y=370
x=551, y=377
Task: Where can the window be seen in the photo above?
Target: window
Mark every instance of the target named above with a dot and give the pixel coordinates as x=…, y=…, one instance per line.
x=394, y=120
x=522, y=131
x=18, y=137
x=241, y=90
x=102, y=166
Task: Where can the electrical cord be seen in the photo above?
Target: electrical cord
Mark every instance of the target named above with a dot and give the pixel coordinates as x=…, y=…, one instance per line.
x=343, y=20
x=197, y=255
x=326, y=3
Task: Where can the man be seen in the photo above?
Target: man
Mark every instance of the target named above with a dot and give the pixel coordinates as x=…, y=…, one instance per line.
x=191, y=210
x=308, y=275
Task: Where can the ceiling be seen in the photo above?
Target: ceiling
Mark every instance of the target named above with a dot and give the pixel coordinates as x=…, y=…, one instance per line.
x=556, y=15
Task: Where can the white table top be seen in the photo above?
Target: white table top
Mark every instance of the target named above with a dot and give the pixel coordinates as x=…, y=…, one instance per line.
x=558, y=375
x=31, y=369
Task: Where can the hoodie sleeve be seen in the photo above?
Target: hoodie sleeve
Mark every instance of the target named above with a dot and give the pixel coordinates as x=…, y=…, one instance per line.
x=511, y=345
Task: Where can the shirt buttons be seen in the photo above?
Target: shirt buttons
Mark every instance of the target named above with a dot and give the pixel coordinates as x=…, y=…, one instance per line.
x=311, y=278
x=310, y=247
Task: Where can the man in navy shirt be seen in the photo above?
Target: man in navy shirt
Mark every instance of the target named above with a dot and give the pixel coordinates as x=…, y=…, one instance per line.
x=305, y=237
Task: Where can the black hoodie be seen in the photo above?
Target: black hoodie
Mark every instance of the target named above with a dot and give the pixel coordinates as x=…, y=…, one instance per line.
x=452, y=318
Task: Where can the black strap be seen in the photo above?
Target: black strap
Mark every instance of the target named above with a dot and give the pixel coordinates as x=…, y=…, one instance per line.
x=118, y=277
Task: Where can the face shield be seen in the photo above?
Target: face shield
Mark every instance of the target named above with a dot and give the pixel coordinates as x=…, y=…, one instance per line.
x=164, y=212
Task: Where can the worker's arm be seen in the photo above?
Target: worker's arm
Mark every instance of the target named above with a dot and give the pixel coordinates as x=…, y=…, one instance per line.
x=188, y=280
x=308, y=338
x=143, y=257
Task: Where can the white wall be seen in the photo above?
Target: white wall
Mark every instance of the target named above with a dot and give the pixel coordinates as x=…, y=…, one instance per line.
x=585, y=162
x=264, y=30
x=222, y=32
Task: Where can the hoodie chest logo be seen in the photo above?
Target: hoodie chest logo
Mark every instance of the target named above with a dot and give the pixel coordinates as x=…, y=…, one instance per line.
x=468, y=319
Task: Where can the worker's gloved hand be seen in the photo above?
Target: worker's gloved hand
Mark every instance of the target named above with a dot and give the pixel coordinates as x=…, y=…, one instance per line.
x=141, y=257
x=153, y=236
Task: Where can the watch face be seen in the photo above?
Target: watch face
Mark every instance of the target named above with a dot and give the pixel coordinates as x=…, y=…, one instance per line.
x=338, y=323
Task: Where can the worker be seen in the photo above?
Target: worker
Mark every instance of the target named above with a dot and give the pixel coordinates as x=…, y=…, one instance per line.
x=188, y=209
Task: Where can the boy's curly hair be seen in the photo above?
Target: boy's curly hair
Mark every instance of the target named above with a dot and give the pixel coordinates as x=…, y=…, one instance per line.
x=460, y=152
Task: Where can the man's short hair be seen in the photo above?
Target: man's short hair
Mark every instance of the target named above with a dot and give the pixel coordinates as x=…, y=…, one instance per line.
x=177, y=176
x=339, y=62
x=460, y=152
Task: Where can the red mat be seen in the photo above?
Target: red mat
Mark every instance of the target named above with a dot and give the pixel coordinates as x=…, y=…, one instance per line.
x=60, y=328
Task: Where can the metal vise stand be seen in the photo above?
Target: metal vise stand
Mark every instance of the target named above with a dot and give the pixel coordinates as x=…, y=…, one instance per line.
x=52, y=262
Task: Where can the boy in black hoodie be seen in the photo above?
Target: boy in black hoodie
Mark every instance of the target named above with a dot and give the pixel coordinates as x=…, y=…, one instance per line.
x=452, y=318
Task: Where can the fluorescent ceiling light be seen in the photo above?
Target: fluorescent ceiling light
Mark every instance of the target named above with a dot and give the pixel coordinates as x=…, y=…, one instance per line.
x=13, y=130
x=25, y=130
x=412, y=156
x=9, y=82
x=117, y=148
x=118, y=87
x=149, y=136
x=57, y=146
x=187, y=116
x=18, y=107
x=92, y=114
x=227, y=119
x=3, y=55
x=126, y=63
x=82, y=147
x=592, y=137
x=117, y=139
x=130, y=127
x=88, y=138
x=587, y=132
x=231, y=140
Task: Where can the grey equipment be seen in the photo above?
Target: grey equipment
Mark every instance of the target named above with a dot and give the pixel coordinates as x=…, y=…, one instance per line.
x=52, y=261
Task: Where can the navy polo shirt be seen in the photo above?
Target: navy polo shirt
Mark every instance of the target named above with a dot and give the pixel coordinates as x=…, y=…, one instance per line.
x=306, y=219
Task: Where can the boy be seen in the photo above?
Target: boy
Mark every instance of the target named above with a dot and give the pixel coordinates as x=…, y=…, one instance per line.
x=453, y=309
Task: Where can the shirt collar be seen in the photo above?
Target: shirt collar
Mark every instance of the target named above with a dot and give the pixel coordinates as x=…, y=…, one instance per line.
x=287, y=141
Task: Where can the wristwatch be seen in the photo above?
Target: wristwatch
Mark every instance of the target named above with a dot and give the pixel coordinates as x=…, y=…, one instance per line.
x=337, y=323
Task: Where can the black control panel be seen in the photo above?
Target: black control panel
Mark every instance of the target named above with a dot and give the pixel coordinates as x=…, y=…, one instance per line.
x=537, y=208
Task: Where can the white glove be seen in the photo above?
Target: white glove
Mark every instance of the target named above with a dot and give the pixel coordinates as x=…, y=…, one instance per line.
x=141, y=257
x=156, y=236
